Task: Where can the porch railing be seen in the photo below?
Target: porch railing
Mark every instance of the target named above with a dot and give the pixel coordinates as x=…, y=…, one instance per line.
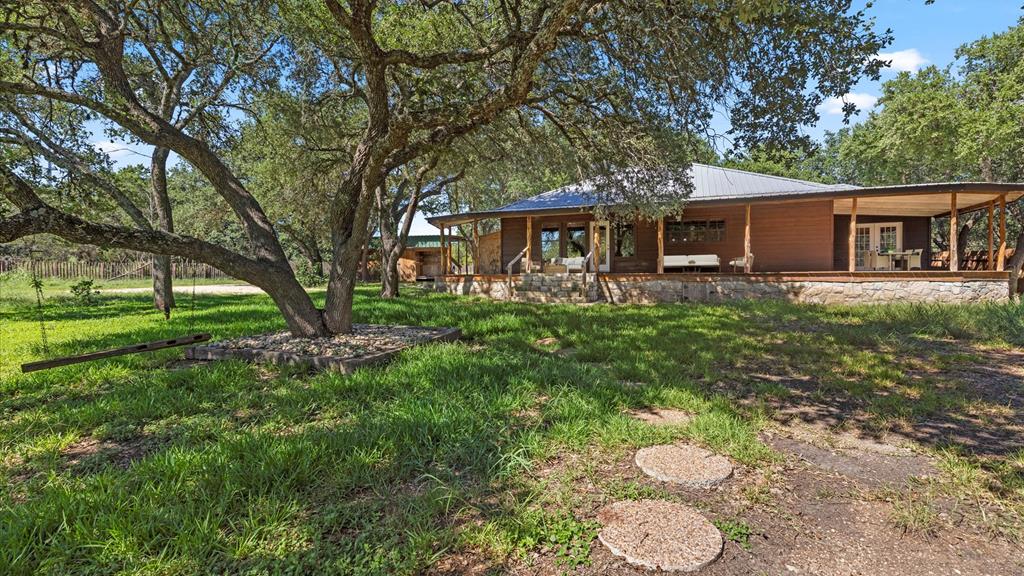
x=508, y=270
x=586, y=265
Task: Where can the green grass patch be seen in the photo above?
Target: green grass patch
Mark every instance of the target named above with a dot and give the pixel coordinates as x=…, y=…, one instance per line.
x=232, y=468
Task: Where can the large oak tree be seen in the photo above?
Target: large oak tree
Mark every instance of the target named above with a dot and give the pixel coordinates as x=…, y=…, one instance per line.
x=417, y=77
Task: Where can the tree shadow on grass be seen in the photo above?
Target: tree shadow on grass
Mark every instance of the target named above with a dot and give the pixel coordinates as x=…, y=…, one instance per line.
x=375, y=472
x=889, y=371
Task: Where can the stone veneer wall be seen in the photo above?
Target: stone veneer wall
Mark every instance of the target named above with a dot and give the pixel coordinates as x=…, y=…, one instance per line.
x=640, y=290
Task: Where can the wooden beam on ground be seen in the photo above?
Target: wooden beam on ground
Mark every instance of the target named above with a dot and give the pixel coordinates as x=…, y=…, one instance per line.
x=1001, y=258
x=748, y=264
x=529, y=244
x=145, y=347
x=661, y=245
x=954, y=258
x=853, y=236
x=991, y=263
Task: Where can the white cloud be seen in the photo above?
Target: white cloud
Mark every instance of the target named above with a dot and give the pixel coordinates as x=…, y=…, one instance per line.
x=909, y=60
x=861, y=100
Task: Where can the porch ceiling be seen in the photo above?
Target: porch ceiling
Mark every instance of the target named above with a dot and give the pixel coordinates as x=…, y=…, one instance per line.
x=919, y=204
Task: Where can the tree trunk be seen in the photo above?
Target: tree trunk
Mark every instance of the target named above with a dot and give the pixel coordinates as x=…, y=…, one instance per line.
x=160, y=206
x=1015, y=264
x=348, y=231
x=389, y=278
x=962, y=239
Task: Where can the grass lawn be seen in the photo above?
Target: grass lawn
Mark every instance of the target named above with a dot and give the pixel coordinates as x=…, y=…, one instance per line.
x=489, y=446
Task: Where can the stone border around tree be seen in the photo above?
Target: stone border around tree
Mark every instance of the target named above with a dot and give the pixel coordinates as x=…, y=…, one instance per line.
x=334, y=363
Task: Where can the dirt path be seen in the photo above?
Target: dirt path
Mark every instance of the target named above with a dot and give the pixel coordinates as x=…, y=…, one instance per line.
x=216, y=289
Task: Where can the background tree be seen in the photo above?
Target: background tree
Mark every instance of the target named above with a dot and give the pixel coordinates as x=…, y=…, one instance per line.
x=397, y=202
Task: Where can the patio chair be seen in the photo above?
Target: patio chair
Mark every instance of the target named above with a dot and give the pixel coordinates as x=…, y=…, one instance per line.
x=914, y=260
x=741, y=263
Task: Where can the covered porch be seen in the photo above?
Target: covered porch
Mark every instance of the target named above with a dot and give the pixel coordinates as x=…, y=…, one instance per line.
x=849, y=245
x=886, y=229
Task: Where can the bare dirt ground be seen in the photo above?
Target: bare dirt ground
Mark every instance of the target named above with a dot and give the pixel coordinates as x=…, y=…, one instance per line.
x=216, y=289
x=845, y=498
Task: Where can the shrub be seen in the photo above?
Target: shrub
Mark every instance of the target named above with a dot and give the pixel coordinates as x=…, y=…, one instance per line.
x=83, y=291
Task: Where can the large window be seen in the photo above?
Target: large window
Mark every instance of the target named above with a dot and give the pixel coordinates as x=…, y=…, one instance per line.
x=686, y=231
x=576, y=240
x=625, y=240
x=550, y=241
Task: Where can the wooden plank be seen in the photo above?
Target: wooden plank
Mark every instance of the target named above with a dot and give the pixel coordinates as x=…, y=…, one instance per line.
x=991, y=264
x=145, y=347
x=954, y=258
x=747, y=262
x=1001, y=258
x=661, y=245
x=853, y=236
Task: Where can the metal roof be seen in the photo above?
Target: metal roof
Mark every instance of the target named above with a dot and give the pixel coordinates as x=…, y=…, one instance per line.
x=418, y=241
x=717, y=185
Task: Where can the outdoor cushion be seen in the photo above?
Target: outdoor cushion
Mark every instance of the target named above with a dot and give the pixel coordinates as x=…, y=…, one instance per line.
x=695, y=260
x=570, y=263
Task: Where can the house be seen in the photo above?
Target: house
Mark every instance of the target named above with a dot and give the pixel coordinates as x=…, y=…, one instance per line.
x=422, y=259
x=743, y=234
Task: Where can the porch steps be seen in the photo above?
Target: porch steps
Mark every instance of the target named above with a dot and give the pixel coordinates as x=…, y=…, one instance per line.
x=565, y=288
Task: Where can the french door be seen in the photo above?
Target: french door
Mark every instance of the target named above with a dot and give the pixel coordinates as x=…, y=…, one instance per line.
x=880, y=237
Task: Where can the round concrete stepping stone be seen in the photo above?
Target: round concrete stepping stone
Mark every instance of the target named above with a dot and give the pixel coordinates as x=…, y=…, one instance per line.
x=687, y=465
x=662, y=416
x=660, y=535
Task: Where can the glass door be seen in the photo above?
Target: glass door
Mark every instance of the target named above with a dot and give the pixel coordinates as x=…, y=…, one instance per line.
x=603, y=256
x=862, y=243
x=885, y=238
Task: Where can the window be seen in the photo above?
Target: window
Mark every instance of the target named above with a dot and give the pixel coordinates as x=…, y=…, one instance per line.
x=550, y=243
x=576, y=240
x=679, y=232
x=625, y=240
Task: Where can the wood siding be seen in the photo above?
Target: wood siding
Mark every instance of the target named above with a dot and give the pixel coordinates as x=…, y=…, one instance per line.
x=727, y=249
x=785, y=237
x=917, y=233
x=791, y=237
x=513, y=240
x=489, y=248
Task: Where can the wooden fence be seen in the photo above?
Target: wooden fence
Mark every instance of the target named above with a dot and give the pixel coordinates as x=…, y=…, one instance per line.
x=131, y=269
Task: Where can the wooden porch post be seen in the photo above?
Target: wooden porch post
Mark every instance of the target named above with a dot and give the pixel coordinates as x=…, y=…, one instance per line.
x=748, y=265
x=853, y=235
x=1001, y=258
x=529, y=244
x=661, y=245
x=954, y=258
x=476, y=248
x=991, y=265
x=444, y=252
x=597, y=248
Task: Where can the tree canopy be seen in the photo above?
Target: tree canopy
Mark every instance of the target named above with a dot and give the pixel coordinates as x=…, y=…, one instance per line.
x=400, y=82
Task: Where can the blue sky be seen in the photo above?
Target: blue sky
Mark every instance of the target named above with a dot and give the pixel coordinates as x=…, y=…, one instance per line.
x=923, y=34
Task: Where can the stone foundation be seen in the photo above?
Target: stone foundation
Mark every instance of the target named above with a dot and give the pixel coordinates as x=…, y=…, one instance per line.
x=928, y=287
